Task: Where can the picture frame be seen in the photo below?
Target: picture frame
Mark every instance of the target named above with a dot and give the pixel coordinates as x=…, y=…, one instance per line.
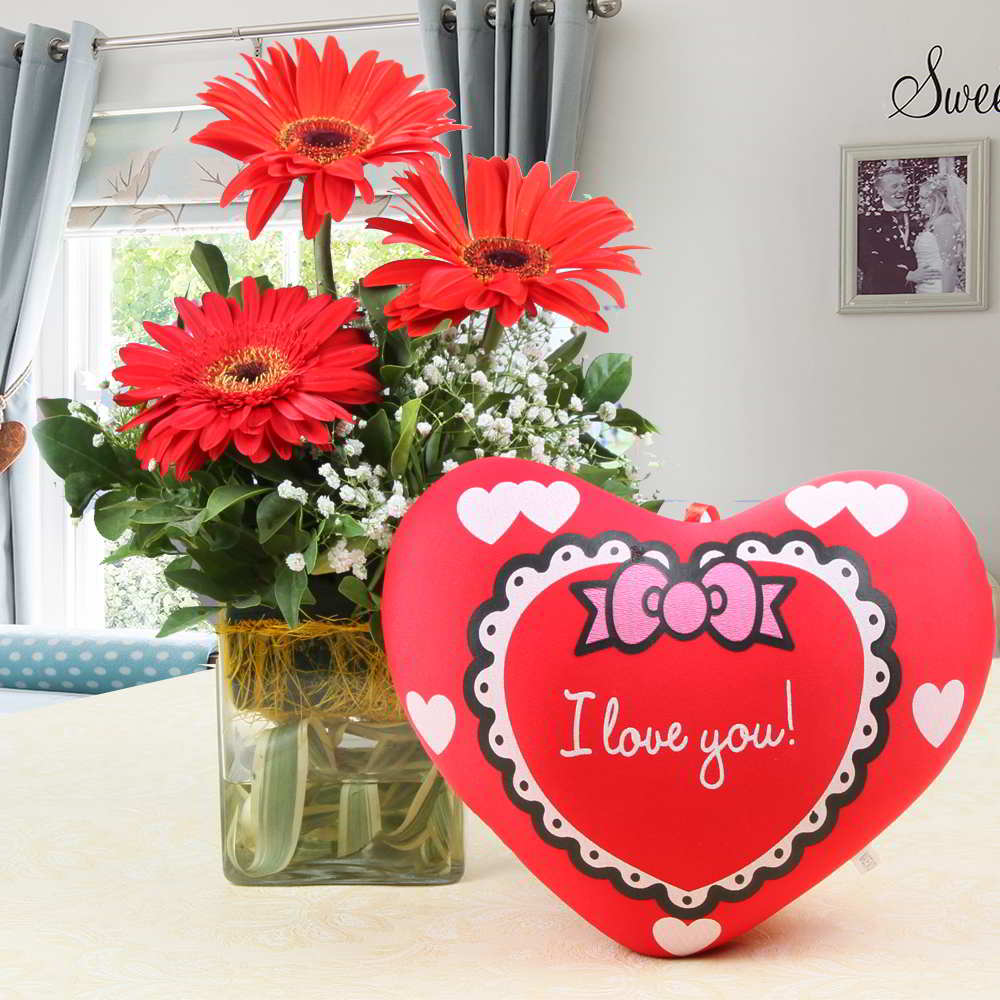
x=914, y=226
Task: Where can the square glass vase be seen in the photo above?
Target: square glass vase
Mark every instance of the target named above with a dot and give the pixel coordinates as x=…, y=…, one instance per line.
x=314, y=790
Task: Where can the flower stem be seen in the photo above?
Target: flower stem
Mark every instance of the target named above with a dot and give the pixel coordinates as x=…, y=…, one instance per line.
x=323, y=258
x=492, y=337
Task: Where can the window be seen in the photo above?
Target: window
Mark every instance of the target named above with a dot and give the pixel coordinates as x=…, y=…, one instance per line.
x=111, y=284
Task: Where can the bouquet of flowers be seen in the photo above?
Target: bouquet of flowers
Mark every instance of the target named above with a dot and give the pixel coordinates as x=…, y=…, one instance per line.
x=270, y=440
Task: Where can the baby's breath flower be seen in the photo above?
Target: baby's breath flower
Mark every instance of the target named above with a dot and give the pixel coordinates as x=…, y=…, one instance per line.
x=516, y=407
x=97, y=440
x=295, y=561
x=326, y=506
x=419, y=387
x=448, y=465
x=606, y=412
x=468, y=411
x=288, y=491
x=396, y=505
x=424, y=428
x=354, y=447
x=348, y=493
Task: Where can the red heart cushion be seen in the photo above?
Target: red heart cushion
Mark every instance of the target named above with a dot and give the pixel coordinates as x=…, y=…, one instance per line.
x=681, y=727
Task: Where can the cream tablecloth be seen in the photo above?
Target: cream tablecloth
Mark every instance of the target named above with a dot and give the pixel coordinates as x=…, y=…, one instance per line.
x=111, y=889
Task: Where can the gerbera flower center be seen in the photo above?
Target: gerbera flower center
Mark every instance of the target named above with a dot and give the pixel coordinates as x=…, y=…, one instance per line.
x=324, y=139
x=247, y=370
x=491, y=255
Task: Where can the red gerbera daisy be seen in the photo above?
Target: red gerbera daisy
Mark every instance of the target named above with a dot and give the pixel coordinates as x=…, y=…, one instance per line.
x=527, y=246
x=322, y=122
x=263, y=376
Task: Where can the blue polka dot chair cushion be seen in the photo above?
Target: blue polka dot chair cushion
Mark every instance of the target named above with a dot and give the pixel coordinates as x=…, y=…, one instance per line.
x=93, y=662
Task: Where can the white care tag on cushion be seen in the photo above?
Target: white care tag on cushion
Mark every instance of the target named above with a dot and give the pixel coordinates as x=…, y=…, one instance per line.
x=866, y=861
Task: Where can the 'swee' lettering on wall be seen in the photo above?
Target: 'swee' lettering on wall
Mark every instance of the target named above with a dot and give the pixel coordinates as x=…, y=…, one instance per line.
x=920, y=98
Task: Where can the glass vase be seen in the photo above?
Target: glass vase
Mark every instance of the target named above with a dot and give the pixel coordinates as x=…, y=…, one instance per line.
x=322, y=781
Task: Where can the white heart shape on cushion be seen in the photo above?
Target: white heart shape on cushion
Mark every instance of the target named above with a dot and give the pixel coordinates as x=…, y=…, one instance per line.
x=876, y=509
x=550, y=507
x=488, y=514
x=817, y=504
x=679, y=939
x=433, y=719
x=936, y=711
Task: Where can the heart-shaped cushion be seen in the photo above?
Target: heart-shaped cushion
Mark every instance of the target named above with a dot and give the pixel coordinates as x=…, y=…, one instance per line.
x=681, y=727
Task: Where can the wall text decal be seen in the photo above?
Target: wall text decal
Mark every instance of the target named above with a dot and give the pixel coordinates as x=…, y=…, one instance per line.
x=915, y=98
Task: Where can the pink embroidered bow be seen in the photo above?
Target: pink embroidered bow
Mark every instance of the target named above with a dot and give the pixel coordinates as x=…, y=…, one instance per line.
x=645, y=599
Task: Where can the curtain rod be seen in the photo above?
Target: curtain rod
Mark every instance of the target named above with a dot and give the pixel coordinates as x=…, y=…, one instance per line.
x=539, y=8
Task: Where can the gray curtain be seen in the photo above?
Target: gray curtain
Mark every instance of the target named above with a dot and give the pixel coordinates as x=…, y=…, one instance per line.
x=46, y=105
x=522, y=86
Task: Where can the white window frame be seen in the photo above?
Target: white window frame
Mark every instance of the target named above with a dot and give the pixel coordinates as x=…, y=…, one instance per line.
x=70, y=362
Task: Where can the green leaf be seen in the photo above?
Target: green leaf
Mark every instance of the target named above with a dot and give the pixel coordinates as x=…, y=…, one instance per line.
x=80, y=489
x=198, y=582
x=607, y=379
x=377, y=439
x=113, y=513
x=185, y=618
x=432, y=452
x=566, y=351
x=397, y=349
x=211, y=266
x=354, y=590
x=273, y=469
x=595, y=474
x=57, y=408
x=347, y=526
x=374, y=301
x=389, y=375
x=160, y=513
x=653, y=505
x=310, y=553
x=619, y=488
x=122, y=553
x=223, y=497
x=66, y=444
x=359, y=818
x=263, y=285
x=289, y=586
x=273, y=513
x=407, y=429
x=632, y=421
x=274, y=809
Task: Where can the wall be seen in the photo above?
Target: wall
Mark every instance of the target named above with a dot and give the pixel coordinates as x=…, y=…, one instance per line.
x=718, y=126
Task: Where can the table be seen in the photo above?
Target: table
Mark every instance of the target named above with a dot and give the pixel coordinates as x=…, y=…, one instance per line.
x=111, y=888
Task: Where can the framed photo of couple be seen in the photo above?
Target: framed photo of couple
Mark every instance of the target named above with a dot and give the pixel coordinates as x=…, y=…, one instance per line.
x=914, y=226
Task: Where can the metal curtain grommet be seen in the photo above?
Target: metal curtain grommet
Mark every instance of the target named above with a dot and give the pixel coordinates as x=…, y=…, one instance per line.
x=19, y=49
x=606, y=8
x=449, y=19
x=542, y=8
x=58, y=47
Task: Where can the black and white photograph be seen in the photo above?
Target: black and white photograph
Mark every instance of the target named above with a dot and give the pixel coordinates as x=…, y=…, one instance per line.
x=907, y=226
